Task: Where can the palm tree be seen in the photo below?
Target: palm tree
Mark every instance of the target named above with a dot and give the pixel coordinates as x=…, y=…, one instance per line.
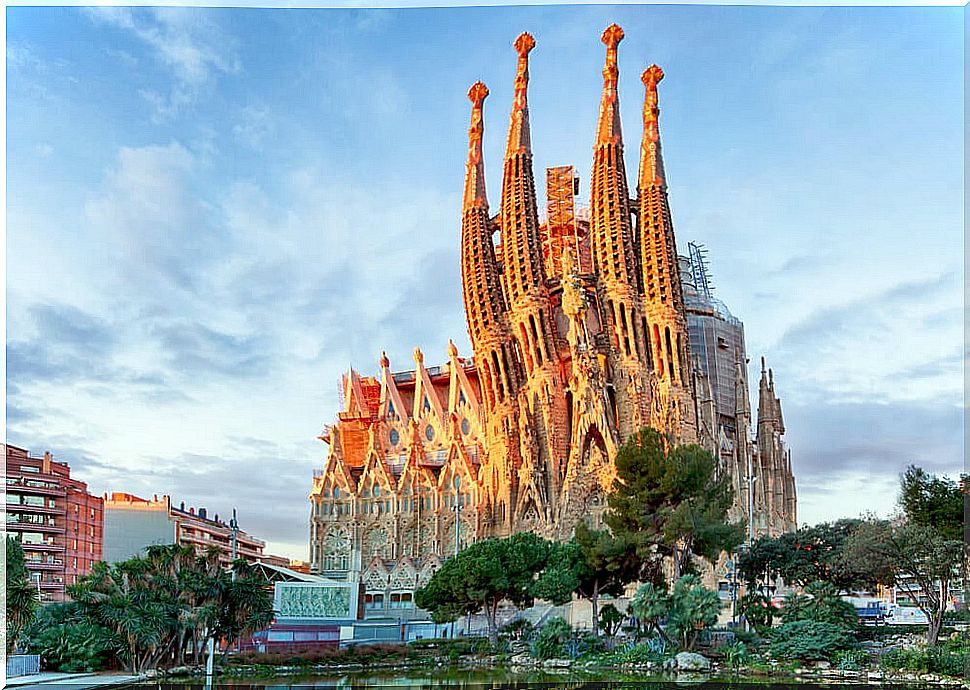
x=21, y=596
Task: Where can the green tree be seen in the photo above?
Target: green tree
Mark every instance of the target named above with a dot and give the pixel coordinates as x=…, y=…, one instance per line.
x=810, y=640
x=592, y=564
x=932, y=501
x=918, y=553
x=821, y=603
x=693, y=608
x=610, y=620
x=807, y=555
x=168, y=604
x=757, y=609
x=68, y=641
x=650, y=605
x=925, y=546
x=21, y=595
x=482, y=576
x=672, y=500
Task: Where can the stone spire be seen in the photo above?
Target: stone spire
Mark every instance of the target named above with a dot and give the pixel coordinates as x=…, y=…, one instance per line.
x=613, y=252
x=609, y=192
x=474, y=196
x=651, y=161
x=521, y=243
x=662, y=292
x=481, y=285
x=608, y=127
x=520, y=138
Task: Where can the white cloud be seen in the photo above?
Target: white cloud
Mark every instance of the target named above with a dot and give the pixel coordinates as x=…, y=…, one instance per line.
x=191, y=46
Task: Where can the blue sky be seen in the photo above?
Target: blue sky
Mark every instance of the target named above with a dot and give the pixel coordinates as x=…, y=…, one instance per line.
x=212, y=212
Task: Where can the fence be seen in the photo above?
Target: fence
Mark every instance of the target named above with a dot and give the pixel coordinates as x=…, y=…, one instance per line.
x=22, y=665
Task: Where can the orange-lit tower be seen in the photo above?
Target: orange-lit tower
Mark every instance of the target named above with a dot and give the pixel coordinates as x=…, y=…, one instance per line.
x=488, y=325
x=614, y=255
x=542, y=406
x=673, y=408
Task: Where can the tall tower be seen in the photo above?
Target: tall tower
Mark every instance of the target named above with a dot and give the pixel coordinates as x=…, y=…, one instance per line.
x=614, y=256
x=672, y=405
x=488, y=327
x=530, y=316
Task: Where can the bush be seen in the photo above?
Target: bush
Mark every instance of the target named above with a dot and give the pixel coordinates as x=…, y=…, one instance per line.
x=74, y=647
x=316, y=655
x=851, y=659
x=951, y=658
x=737, y=655
x=809, y=641
x=653, y=651
x=549, y=643
x=519, y=629
x=820, y=603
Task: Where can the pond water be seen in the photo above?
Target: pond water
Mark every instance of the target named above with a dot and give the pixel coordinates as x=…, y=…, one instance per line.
x=493, y=679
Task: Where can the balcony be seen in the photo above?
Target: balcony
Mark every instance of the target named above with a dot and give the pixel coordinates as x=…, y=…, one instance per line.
x=42, y=546
x=20, y=487
x=45, y=565
x=29, y=526
x=27, y=508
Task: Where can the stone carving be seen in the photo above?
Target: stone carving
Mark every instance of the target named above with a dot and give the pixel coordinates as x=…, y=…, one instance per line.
x=314, y=601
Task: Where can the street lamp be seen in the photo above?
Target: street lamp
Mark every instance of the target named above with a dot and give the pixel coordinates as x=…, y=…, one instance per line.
x=457, y=484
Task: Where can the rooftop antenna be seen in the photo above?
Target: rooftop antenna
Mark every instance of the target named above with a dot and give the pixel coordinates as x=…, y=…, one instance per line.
x=700, y=269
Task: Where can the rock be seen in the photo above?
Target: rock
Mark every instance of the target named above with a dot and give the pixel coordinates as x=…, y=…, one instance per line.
x=823, y=664
x=557, y=663
x=689, y=661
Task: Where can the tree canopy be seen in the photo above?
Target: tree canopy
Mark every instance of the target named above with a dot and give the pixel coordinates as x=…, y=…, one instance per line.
x=932, y=501
x=809, y=554
x=672, y=500
x=483, y=575
x=593, y=563
x=166, y=605
x=923, y=548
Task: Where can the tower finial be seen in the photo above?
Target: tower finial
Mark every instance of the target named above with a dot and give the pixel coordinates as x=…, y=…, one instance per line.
x=608, y=129
x=651, y=161
x=474, y=196
x=520, y=138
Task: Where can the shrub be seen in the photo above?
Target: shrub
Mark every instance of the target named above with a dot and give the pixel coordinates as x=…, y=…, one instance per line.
x=651, y=651
x=737, y=655
x=951, y=658
x=820, y=603
x=519, y=629
x=74, y=647
x=851, y=659
x=809, y=641
x=757, y=609
x=549, y=643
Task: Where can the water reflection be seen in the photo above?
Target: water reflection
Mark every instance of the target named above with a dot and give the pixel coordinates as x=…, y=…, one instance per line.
x=490, y=680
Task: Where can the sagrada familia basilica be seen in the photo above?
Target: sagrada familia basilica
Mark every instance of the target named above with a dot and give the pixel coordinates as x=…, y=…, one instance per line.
x=584, y=328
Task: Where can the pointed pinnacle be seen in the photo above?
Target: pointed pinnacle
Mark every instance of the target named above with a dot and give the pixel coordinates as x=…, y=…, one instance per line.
x=608, y=130
x=474, y=196
x=651, y=159
x=520, y=138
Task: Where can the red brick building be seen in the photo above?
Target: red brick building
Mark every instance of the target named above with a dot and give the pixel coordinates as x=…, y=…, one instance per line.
x=58, y=523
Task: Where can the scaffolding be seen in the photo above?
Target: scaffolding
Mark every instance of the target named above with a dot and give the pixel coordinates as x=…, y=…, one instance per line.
x=562, y=228
x=700, y=269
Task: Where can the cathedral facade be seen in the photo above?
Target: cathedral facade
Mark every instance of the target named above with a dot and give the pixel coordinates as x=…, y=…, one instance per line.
x=580, y=336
